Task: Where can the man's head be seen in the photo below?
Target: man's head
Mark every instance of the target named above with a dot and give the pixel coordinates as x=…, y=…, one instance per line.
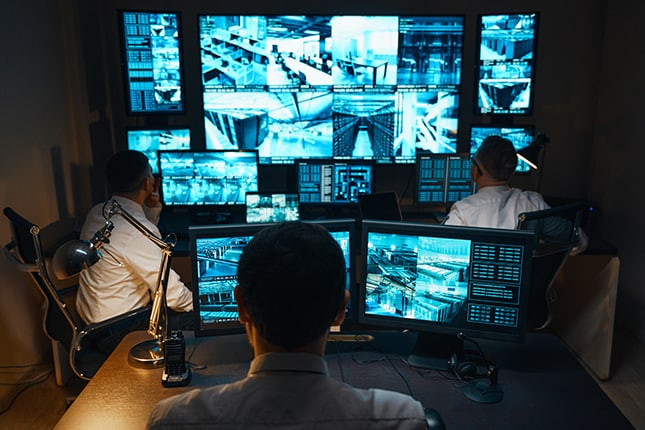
x=127, y=170
x=497, y=157
x=291, y=283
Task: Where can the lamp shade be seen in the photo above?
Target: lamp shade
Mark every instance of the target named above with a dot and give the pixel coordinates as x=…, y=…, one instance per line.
x=73, y=256
x=531, y=154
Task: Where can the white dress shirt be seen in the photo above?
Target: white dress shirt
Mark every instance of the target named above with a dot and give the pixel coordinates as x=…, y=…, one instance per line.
x=288, y=391
x=494, y=207
x=126, y=276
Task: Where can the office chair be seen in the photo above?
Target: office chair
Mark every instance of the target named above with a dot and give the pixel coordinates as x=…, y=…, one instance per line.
x=68, y=333
x=557, y=233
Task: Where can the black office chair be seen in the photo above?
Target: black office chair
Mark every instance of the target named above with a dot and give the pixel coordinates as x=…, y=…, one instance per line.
x=557, y=233
x=61, y=323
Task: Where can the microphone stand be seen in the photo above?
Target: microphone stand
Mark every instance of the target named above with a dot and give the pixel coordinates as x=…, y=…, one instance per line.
x=483, y=391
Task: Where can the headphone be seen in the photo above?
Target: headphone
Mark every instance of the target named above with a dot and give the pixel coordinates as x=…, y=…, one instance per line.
x=467, y=370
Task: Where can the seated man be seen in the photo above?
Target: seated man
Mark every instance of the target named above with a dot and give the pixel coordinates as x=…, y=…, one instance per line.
x=291, y=290
x=496, y=204
x=126, y=277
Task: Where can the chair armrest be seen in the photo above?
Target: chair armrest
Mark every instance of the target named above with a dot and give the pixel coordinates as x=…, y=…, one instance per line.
x=8, y=250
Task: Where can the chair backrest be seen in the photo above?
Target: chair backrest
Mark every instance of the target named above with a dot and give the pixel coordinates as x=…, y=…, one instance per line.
x=557, y=232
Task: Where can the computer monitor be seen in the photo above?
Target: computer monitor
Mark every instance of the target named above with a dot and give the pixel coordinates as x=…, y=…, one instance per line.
x=506, y=67
x=442, y=281
x=214, y=254
x=330, y=182
x=521, y=136
x=152, y=61
x=271, y=207
x=151, y=140
x=443, y=178
x=378, y=87
x=201, y=178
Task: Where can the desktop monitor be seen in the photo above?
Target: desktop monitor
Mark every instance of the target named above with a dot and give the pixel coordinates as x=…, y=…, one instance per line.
x=152, y=61
x=330, y=182
x=506, y=68
x=271, y=207
x=372, y=87
x=443, y=178
x=521, y=136
x=442, y=281
x=151, y=140
x=214, y=254
x=200, y=178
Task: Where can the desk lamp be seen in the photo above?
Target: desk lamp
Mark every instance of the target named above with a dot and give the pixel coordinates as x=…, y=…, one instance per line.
x=533, y=155
x=76, y=255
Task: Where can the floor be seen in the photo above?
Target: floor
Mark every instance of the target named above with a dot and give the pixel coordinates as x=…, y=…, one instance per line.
x=626, y=388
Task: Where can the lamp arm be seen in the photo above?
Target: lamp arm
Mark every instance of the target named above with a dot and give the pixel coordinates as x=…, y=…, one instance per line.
x=114, y=208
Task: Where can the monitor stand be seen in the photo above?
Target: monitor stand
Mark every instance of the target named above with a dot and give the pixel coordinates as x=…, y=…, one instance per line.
x=434, y=350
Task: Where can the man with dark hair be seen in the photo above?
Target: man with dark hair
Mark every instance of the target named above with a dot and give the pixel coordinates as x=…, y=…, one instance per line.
x=495, y=204
x=126, y=277
x=291, y=290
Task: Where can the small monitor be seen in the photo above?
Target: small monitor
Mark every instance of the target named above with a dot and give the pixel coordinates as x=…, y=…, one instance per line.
x=151, y=140
x=521, y=136
x=443, y=178
x=199, y=178
x=215, y=252
x=330, y=182
x=152, y=60
x=271, y=207
x=442, y=281
x=506, y=66
x=383, y=205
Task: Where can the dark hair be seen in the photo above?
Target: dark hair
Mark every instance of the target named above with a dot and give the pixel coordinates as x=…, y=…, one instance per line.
x=126, y=169
x=292, y=280
x=498, y=156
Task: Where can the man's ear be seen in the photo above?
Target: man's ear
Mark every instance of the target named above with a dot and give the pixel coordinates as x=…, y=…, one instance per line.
x=242, y=313
x=340, y=315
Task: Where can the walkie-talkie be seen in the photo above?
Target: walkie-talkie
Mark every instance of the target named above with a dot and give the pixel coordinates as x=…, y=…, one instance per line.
x=176, y=373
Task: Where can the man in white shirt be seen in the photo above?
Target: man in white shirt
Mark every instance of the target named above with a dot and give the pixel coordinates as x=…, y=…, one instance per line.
x=126, y=277
x=291, y=290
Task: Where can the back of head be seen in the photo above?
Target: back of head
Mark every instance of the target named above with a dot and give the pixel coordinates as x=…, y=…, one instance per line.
x=292, y=280
x=498, y=157
x=125, y=170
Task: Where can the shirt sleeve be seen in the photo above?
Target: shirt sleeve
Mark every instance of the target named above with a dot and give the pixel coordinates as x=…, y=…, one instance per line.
x=454, y=217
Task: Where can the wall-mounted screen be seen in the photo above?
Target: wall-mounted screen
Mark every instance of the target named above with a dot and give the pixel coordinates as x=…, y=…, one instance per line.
x=521, y=136
x=333, y=182
x=382, y=88
x=506, y=66
x=272, y=207
x=151, y=140
x=197, y=178
x=152, y=61
x=443, y=178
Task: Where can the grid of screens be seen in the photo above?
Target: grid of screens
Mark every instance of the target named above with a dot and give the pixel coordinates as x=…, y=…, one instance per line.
x=215, y=252
x=197, y=178
x=271, y=207
x=506, y=64
x=384, y=88
x=445, y=279
x=152, y=58
x=149, y=141
x=333, y=182
x=520, y=136
x=443, y=178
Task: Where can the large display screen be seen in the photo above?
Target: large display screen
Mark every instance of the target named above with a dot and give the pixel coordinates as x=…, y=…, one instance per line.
x=151, y=140
x=197, y=178
x=506, y=66
x=333, y=182
x=443, y=178
x=152, y=61
x=382, y=88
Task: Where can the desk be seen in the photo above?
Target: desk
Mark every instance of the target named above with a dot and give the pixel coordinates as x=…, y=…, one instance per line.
x=371, y=64
x=544, y=385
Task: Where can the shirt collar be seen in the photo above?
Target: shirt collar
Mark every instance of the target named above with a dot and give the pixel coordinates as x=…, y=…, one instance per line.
x=289, y=361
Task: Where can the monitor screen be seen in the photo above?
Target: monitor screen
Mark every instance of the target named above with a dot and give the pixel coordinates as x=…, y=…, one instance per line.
x=521, y=136
x=196, y=178
x=151, y=140
x=214, y=253
x=506, y=66
x=382, y=88
x=333, y=182
x=443, y=281
x=152, y=61
x=271, y=207
x=443, y=178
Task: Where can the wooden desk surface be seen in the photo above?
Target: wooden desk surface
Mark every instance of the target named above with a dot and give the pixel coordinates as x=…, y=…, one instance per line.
x=545, y=387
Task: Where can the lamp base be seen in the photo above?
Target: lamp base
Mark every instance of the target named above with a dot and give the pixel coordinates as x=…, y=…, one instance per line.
x=147, y=354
